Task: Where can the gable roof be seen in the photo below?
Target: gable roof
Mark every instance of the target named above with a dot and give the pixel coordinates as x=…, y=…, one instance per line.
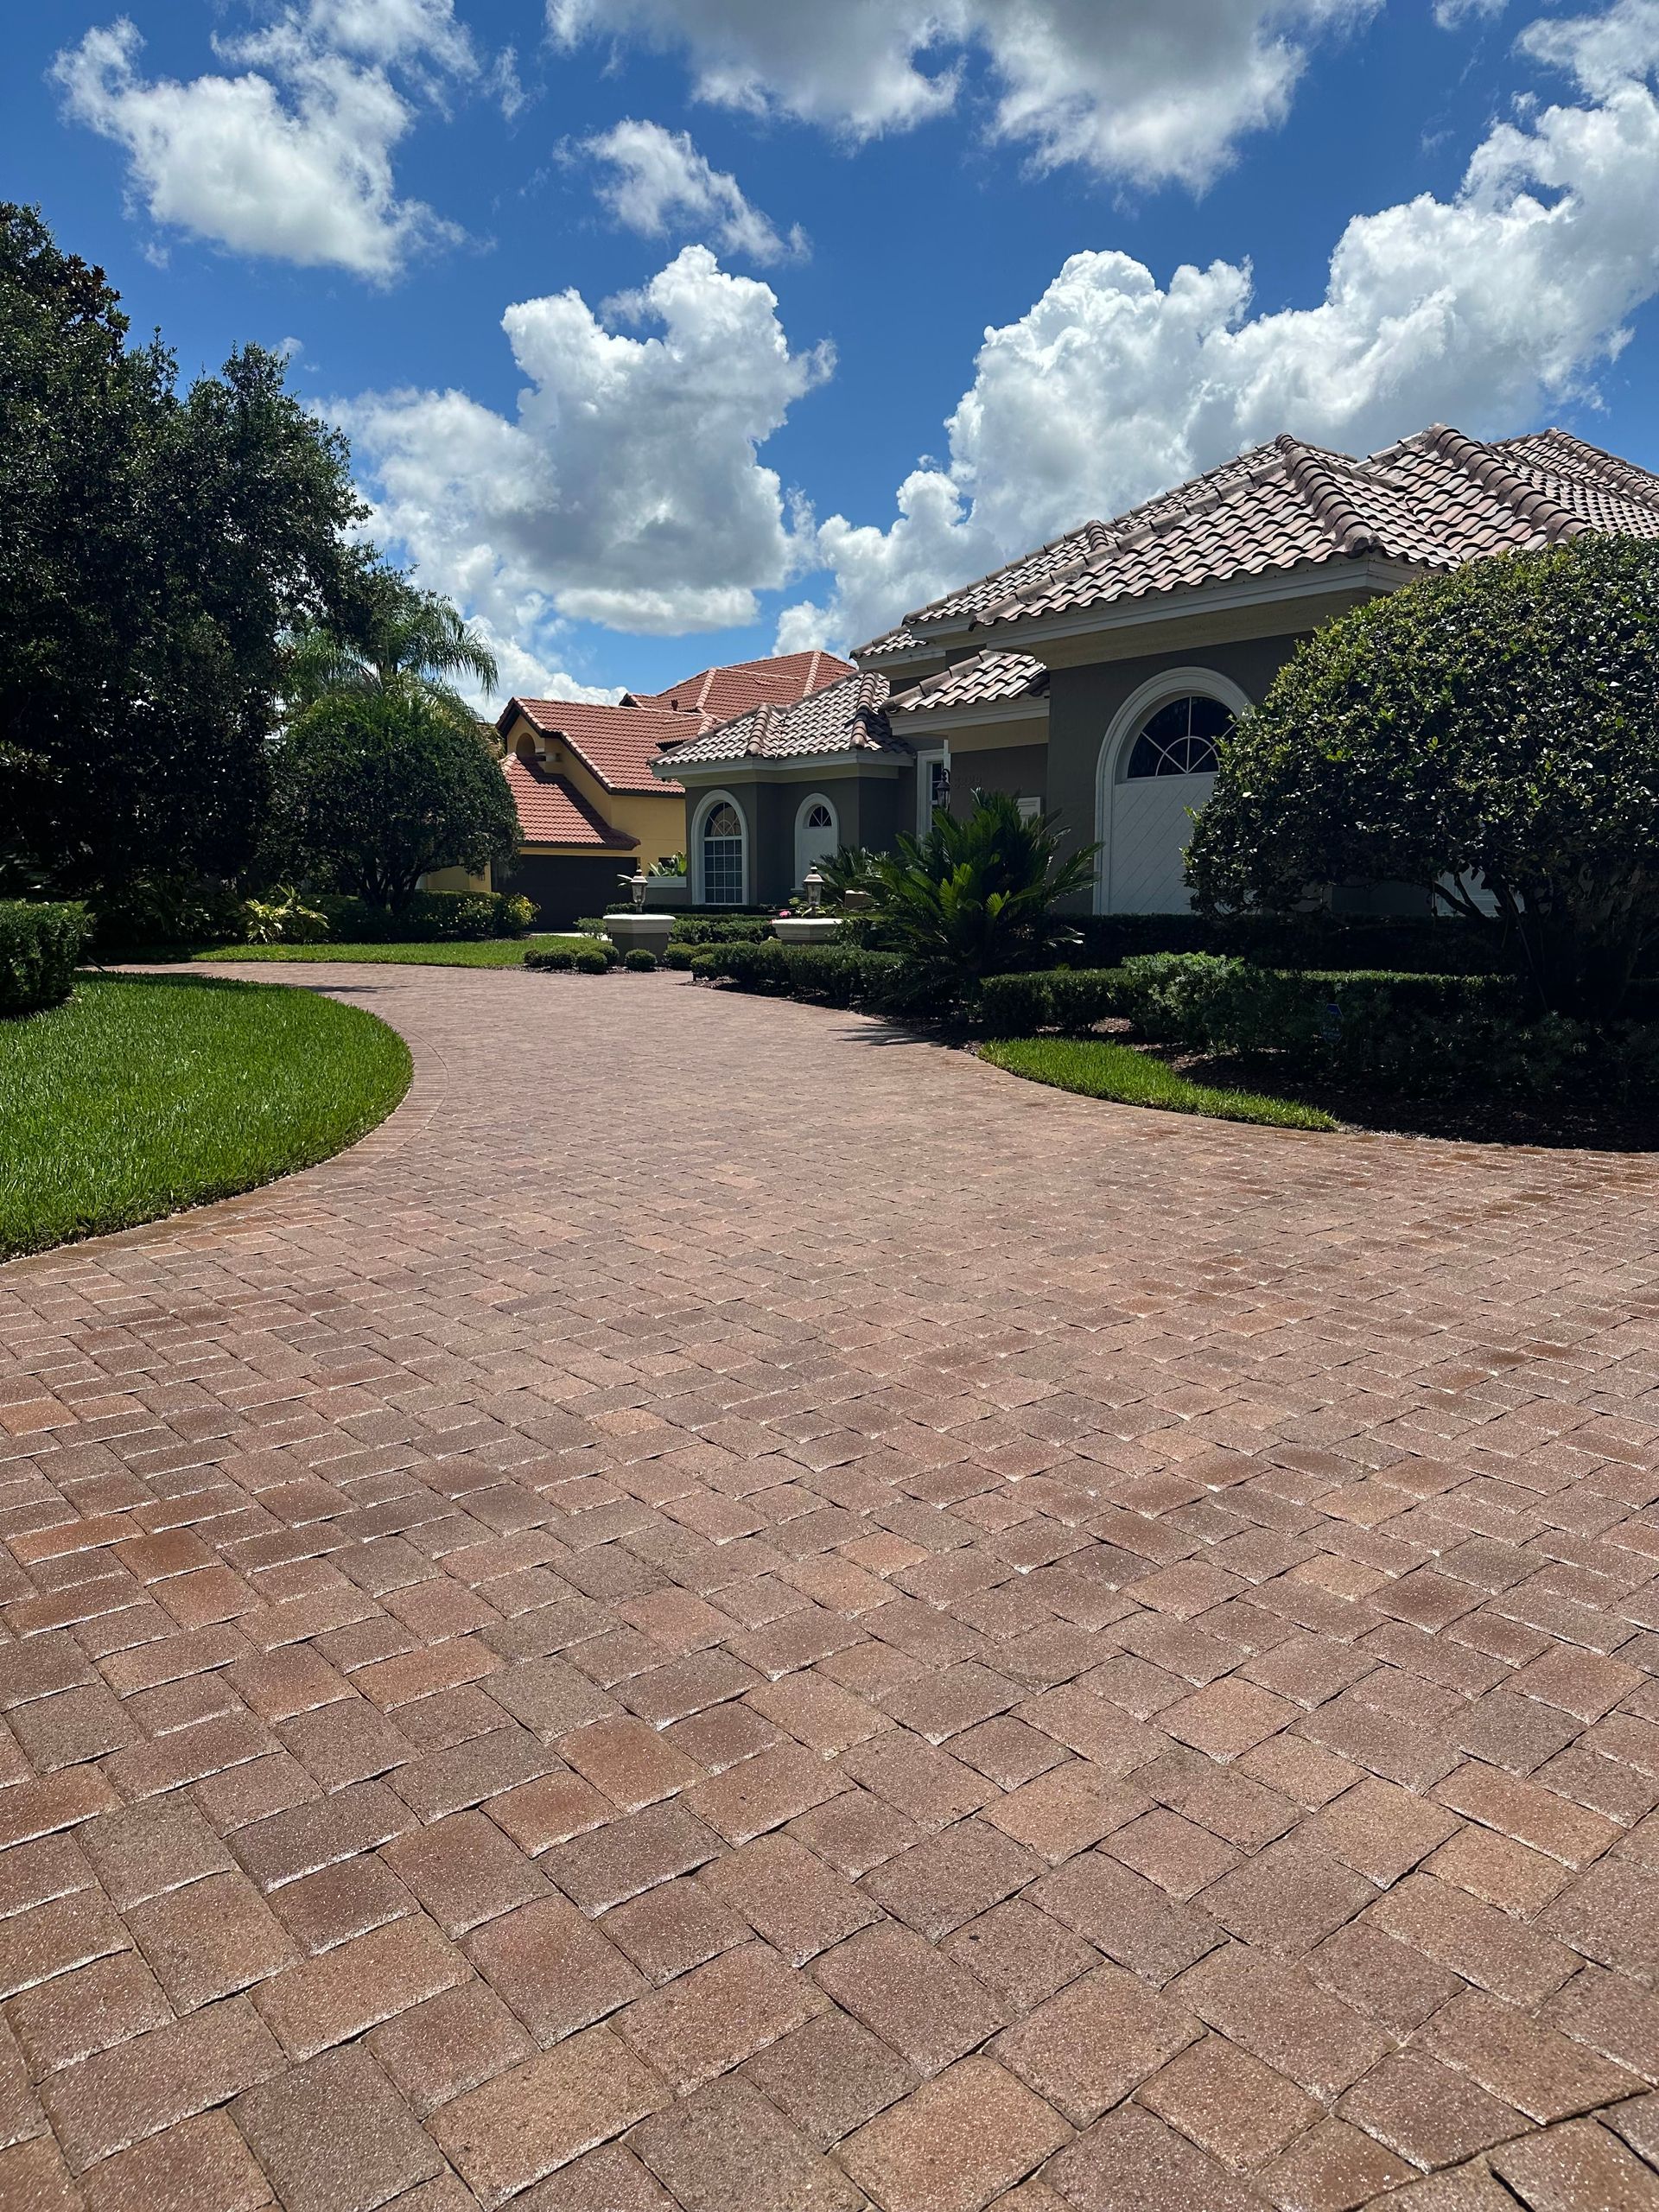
x=552, y=811
x=1432, y=501
x=848, y=716
x=616, y=745
x=715, y=694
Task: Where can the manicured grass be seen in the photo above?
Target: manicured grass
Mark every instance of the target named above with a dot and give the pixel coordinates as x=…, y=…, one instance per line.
x=1100, y=1069
x=141, y=1096
x=491, y=952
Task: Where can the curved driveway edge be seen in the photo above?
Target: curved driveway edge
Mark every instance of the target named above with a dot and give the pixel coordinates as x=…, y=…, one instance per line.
x=733, y=1612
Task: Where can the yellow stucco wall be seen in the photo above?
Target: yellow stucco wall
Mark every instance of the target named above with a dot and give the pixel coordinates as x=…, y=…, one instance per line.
x=657, y=822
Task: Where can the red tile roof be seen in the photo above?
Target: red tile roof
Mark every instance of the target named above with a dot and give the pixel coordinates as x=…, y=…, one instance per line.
x=983, y=680
x=617, y=744
x=552, y=811
x=717, y=694
x=1432, y=501
x=845, y=717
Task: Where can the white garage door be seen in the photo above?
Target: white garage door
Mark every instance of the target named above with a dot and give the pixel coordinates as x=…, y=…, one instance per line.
x=1166, y=772
x=1152, y=827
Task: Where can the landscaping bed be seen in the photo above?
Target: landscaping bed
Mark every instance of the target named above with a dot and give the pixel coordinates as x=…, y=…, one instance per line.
x=140, y=1096
x=488, y=952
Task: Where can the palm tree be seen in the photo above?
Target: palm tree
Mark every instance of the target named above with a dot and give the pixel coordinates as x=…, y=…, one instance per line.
x=403, y=636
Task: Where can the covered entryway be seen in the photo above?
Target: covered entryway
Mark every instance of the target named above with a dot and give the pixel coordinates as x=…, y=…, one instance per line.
x=1158, y=768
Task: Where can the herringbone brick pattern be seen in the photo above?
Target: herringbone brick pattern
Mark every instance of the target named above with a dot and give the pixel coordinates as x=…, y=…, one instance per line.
x=738, y=1615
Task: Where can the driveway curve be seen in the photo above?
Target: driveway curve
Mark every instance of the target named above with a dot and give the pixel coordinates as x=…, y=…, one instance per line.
x=739, y=1613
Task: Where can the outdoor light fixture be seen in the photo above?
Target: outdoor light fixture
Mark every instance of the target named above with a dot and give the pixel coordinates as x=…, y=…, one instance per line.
x=812, y=884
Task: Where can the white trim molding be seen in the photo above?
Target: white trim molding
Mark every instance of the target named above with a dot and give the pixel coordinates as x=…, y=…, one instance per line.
x=926, y=761
x=1125, y=726
x=703, y=809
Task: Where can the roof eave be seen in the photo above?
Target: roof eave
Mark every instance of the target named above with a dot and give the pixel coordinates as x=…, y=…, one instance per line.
x=1018, y=709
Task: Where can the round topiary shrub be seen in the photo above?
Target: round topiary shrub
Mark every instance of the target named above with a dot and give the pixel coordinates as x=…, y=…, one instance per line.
x=588, y=960
x=553, y=956
x=640, y=961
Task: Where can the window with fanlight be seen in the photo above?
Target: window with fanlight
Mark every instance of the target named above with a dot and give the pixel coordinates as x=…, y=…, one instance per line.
x=722, y=856
x=1180, y=739
x=818, y=816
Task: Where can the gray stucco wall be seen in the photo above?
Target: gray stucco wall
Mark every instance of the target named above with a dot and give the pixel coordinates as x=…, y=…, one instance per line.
x=1082, y=703
x=867, y=813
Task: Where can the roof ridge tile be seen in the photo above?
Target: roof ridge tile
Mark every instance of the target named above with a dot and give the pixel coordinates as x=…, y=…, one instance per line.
x=1311, y=477
x=1482, y=464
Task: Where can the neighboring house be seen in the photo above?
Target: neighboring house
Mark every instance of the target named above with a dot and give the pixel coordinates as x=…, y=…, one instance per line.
x=1093, y=677
x=590, y=808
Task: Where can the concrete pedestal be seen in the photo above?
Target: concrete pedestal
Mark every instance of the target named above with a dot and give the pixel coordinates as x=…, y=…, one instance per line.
x=806, y=929
x=650, y=932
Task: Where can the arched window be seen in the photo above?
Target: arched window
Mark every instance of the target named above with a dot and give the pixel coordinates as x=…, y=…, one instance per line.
x=1180, y=739
x=818, y=816
x=722, y=856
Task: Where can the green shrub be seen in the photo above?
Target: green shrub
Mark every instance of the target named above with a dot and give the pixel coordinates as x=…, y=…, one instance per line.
x=680, y=957
x=282, y=919
x=39, y=947
x=588, y=960
x=166, y=910
x=1054, y=998
x=823, y=974
x=1404, y=944
x=553, y=956
x=429, y=917
x=1425, y=1035
x=721, y=928
x=639, y=962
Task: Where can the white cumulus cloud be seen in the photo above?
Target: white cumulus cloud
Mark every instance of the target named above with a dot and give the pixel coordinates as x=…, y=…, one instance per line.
x=1481, y=309
x=658, y=183
x=627, y=490
x=292, y=155
x=1146, y=92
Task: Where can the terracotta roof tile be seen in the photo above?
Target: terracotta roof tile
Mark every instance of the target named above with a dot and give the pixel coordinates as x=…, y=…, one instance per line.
x=616, y=744
x=717, y=694
x=552, y=811
x=1432, y=501
x=845, y=717
x=983, y=679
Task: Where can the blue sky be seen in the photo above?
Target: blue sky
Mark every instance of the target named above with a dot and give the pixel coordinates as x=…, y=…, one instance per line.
x=813, y=311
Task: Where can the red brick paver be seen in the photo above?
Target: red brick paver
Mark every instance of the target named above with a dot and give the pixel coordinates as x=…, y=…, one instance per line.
x=736, y=1612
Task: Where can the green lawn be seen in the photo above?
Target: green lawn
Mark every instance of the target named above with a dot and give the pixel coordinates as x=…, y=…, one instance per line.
x=492, y=952
x=1100, y=1069
x=143, y=1096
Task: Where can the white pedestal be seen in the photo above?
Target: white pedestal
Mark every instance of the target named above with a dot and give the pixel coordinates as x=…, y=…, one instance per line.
x=649, y=932
x=669, y=890
x=806, y=929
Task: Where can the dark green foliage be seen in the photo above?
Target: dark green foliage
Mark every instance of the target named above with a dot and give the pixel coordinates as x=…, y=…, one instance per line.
x=680, y=956
x=1318, y=939
x=976, y=896
x=156, y=547
x=39, y=948
x=1497, y=724
x=1426, y=1036
x=429, y=918
x=146, y=1094
x=589, y=960
x=639, y=962
x=163, y=910
x=388, y=632
x=374, y=789
x=721, y=928
x=556, y=957
x=827, y=975
x=1055, y=998
x=1100, y=1069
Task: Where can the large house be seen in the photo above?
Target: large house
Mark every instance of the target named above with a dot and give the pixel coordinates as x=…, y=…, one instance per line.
x=590, y=808
x=1094, y=676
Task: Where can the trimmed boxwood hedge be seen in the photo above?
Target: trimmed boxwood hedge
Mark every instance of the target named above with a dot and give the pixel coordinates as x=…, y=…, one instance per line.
x=1400, y=945
x=1052, y=998
x=40, y=945
x=826, y=974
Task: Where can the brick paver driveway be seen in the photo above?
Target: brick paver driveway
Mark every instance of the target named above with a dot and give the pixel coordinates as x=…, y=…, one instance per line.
x=735, y=1614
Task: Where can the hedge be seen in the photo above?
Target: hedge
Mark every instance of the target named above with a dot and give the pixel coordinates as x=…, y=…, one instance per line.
x=703, y=926
x=441, y=917
x=587, y=959
x=825, y=974
x=1400, y=945
x=1052, y=998
x=40, y=945
x=1426, y=1035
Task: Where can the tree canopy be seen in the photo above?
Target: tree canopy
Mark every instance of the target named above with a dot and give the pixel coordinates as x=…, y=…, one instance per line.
x=374, y=787
x=157, y=548
x=389, y=631
x=1495, y=730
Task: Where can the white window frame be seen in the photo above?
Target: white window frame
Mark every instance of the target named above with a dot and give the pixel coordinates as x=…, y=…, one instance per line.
x=813, y=799
x=925, y=764
x=1125, y=726
x=705, y=808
